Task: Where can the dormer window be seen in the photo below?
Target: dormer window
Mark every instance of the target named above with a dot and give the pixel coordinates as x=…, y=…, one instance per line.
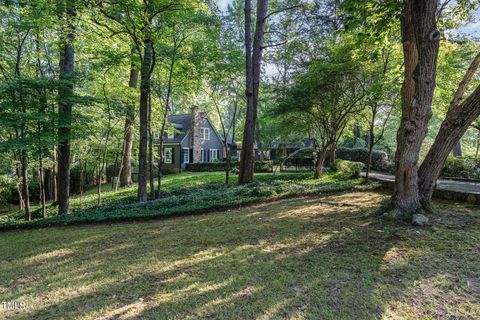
x=171, y=134
x=205, y=133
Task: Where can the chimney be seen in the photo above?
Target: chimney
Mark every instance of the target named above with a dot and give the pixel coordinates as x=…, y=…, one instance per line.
x=195, y=140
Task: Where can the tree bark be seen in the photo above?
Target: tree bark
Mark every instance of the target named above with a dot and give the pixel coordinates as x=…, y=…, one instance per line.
x=41, y=178
x=65, y=94
x=150, y=150
x=457, y=121
x=370, y=149
x=319, y=161
x=26, y=194
x=144, y=95
x=21, y=202
x=253, y=69
x=126, y=172
x=420, y=38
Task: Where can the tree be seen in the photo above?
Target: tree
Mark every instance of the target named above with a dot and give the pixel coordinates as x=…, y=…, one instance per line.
x=420, y=38
x=324, y=99
x=253, y=58
x=67, y=11
x=126, y=167
x=460, y=115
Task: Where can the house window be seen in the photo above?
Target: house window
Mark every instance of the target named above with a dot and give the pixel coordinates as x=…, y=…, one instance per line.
x=213, y=155
x=186, y=155
x=156, y=135
x=168, y=155
x=171, y=134
x=205, y=133
x=203, y=155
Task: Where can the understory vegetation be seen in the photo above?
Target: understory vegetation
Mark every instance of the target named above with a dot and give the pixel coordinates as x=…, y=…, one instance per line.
x=307, y=258
x=186, y=193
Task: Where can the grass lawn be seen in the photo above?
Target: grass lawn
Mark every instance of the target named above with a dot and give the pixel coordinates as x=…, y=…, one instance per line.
x=315, y=258
x=185, y=193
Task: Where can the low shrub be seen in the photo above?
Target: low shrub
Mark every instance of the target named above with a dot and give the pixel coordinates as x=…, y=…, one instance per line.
x=462, y=167
x=260, y=166
x=205, y=166
x=380, y=161
x=350, y=169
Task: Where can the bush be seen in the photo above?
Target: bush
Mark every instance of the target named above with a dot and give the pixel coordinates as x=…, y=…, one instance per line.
x=205, y=166
x=462, y=167
x=260, y=166
x=350, y=169
x=380, y=161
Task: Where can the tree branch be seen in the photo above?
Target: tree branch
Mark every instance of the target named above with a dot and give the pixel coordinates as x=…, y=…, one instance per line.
x=281, y=10
x=274, y=45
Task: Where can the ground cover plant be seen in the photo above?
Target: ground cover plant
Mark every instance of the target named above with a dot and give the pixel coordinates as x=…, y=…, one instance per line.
x=303, y=258
x=188, y=193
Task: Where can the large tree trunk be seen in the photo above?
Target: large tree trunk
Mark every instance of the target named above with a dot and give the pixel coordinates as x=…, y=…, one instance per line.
x=126, y=172
x=457, y=121
x=144, y=96
x=65, y=94
x=253, y=69
x=420, y=38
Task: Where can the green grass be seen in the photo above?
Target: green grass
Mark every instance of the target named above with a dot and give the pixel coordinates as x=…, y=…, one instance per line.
x=186, y=193
x=303, y=258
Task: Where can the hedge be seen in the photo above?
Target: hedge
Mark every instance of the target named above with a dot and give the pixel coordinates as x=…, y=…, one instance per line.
x=380, y=161
x=462, y=167
x=349, y=169
x=260, y=166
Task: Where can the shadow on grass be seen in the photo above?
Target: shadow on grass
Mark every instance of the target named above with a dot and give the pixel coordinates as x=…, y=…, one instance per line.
x=295, y=258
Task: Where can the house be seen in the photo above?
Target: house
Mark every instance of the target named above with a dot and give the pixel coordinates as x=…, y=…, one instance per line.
x=194, y=139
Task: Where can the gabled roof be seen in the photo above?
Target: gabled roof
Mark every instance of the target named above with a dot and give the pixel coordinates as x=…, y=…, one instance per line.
x=182, y=123
x=179, y=120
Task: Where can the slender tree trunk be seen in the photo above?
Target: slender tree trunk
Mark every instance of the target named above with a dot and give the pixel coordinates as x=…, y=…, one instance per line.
x=65, y=94
x=144, y=96
x=41, y=178
x=150, y=150
x=319, y=162
x=454, y=126
x=26, y=195
x=333, y=152
x=54, y=178
x=82, y=180
x=21, y=202
x=420, y=38
x=370, y=150
x=126, y=167
x=253, y=69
